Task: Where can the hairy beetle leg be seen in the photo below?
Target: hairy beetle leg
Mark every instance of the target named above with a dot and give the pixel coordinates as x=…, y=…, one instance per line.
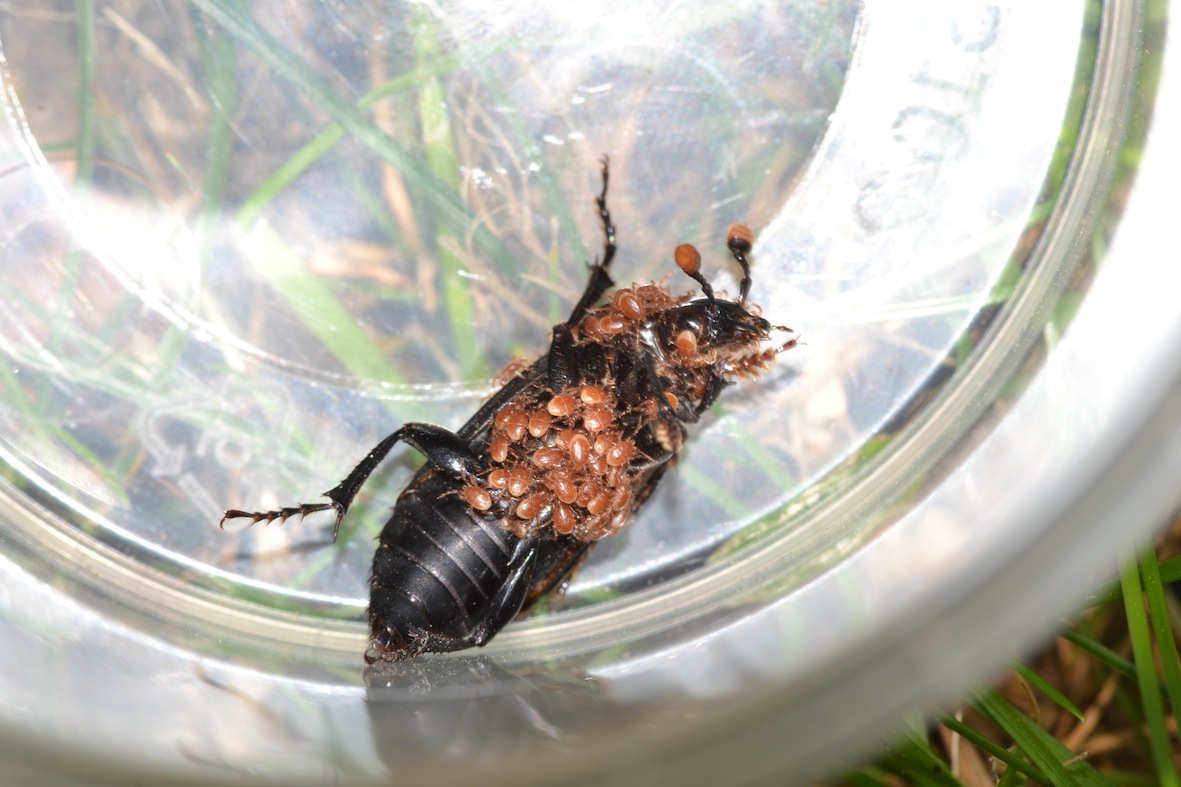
x=282, y=514
x=605, y=216
x=442, y=447
x=600, y=280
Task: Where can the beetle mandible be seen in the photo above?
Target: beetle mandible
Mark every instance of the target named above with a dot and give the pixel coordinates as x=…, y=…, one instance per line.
x=562, y=455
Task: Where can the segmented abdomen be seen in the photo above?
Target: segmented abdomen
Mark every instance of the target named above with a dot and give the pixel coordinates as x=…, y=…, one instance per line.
x=437, y=567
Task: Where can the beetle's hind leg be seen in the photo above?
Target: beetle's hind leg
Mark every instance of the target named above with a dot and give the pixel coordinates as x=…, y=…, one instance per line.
x=447, y=450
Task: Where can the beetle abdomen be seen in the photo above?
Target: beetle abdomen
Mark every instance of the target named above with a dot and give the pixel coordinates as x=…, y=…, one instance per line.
x=438, y=567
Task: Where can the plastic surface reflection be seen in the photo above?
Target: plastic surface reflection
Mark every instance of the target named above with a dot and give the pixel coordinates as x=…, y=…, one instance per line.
x=471, y=710
x=276, y=231
x=179, y=357
x=272, y=236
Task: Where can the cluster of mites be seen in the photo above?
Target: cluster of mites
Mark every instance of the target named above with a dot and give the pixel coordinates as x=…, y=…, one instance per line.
x=622, y=314
x=564, y=457
x=626, y=308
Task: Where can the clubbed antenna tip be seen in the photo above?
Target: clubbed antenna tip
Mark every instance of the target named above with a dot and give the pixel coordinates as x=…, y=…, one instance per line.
x=740, y=240
x=688, y=259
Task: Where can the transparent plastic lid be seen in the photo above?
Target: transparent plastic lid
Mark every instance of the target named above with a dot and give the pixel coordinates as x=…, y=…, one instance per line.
x=245, y=242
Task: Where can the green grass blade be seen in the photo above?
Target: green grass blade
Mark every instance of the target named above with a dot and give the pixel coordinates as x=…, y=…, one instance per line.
x=316, y=306
x=450, y=214
x=1042, y=749
x=1166, y=641
x=915, y=761
x=56, y=440
x=443, y=161
x=85, y=140
x=1173, y=608
x=1009, y=778
x=1015, y=763
x=354, y=121
x=286, y=174
x=84, y=145
x=705, y=484
x=1045, y=688
x=1169, y=570
x=323, y=142
x=868, y=778
x=1154, y=716
x=223, y=82
x=1125, y=779
x=1099, y=651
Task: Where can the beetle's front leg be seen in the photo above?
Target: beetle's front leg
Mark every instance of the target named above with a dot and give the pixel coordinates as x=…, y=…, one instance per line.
x=605, y=217
x=600, y=281
x=652, y=386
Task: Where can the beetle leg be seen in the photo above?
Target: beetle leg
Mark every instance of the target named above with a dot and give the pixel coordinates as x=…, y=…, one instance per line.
x=600, y=280
x=605, y=216
x=713, y=388
x=508, y=601
x=654, y=388
x=562, y=370
x=557, y=562
x=442, y=447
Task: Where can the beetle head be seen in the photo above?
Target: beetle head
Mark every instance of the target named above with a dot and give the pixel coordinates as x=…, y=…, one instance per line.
x=720, y=336
x=704, y=343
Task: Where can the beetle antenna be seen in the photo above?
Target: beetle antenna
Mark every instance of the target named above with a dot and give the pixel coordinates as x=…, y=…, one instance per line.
x=740, y=239
x=688, y=259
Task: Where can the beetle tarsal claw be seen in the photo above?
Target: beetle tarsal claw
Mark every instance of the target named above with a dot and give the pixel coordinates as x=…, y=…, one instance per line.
x=340, y=512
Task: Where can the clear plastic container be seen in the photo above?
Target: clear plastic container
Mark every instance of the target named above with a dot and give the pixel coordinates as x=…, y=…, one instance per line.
x=244, y=242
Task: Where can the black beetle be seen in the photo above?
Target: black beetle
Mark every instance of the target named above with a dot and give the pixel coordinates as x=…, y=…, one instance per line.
x=561, y=456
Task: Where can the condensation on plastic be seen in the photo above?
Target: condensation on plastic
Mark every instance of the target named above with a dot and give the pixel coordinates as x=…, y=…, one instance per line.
x=164, y=361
